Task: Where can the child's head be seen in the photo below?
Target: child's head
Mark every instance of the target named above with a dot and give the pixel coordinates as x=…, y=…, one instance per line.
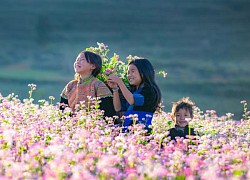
x=181, y=111
x=144, y=69
x=91, y=58
x=141, y=72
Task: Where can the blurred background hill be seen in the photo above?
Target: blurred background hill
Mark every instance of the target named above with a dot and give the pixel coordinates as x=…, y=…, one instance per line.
x=203, y=45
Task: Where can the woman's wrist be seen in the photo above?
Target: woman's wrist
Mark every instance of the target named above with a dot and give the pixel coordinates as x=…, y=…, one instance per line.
x=115, y=89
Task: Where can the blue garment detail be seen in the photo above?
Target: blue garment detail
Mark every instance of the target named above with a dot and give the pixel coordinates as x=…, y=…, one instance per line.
x=138, y=100
x=143, y=118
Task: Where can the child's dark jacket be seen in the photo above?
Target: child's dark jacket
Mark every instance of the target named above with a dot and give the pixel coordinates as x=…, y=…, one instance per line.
x=181, y=132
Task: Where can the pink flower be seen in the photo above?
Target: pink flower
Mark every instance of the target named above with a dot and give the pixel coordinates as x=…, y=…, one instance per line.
x=108, y=71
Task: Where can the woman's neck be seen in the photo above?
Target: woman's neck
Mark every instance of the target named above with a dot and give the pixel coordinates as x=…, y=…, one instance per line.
x=139, y=86
x=85, y=75
x=86, y=80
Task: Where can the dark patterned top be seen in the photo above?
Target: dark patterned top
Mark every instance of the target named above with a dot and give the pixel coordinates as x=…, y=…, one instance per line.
x=77, y=91
x=181, y=132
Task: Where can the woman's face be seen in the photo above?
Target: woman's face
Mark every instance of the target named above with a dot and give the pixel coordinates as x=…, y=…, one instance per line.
x=134, y=77
x=82, y=66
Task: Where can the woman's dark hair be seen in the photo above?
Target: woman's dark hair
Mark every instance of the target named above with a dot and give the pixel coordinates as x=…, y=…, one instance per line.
x=147, y=73
x=95, y=59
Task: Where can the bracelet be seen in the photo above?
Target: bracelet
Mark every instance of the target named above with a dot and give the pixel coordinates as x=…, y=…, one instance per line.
x=115, y=89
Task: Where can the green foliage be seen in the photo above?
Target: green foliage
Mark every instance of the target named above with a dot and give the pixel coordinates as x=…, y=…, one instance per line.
x=110, y=64
x=238, y=173
x=113, y=64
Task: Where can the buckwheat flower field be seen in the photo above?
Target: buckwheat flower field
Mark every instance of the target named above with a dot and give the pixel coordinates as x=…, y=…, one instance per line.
x=38, y=141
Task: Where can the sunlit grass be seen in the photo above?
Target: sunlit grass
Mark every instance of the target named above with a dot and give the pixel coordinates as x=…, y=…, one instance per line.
x=32, y=75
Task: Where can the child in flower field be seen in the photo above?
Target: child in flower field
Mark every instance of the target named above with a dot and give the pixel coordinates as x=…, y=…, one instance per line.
x=85, y=84
x=182, y=111
x=144, y=97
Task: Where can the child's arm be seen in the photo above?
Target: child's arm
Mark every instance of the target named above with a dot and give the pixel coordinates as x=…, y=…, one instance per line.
x=116, y=98
x=64, y=98
x=125, y=91
x=116, y=101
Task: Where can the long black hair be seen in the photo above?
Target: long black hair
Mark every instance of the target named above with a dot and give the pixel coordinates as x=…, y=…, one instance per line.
x=95, y=59
x=92, y=58
x=147, y=73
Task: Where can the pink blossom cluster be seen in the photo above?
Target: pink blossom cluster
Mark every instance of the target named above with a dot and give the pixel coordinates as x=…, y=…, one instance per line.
x=38, y=141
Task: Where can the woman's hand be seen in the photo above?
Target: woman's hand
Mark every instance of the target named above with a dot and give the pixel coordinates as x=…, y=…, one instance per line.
x=112, y=85
x=113, y=80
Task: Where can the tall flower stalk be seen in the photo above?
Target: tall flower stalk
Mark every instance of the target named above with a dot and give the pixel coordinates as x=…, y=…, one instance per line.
x=245, y=112
x=32, y=89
